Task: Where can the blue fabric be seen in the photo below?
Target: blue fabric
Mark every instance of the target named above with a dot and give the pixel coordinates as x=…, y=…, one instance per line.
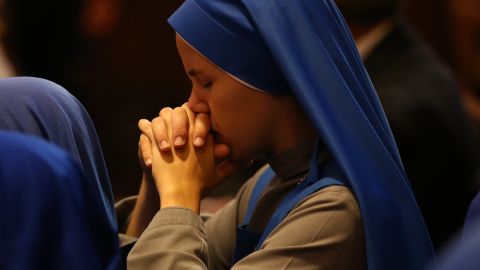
x=44, y=109
x=304, y=48
x=257, y=191
x=462, y=253
x=245, y=243
x=473, y=214
x=248, y=241
x=298, y=195
x=50, y=217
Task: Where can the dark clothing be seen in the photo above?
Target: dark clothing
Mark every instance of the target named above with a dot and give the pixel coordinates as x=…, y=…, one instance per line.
x=433, y=133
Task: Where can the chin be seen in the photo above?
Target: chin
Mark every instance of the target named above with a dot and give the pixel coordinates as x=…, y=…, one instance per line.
x=242, y=157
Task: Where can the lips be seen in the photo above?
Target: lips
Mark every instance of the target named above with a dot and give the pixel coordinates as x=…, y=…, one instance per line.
x=216, y=135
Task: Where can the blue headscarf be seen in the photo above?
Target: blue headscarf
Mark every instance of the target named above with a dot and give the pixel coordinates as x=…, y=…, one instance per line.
x=44, y=109
x=304, y=48
x=50, y=217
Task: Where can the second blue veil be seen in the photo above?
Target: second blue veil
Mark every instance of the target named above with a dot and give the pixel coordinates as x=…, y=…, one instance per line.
x=51, y=217
x=44, y=109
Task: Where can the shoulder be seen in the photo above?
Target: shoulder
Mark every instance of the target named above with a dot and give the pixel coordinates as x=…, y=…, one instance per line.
x=328, y=220
x=329, y=212
x=335, y=195
x=334, y=204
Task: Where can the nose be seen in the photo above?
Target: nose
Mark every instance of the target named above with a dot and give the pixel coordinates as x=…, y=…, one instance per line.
x=197, y=104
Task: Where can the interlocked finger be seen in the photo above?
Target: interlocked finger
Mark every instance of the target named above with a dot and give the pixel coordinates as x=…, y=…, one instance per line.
x=180, y=126
x=145, y=149
x=161, y=134
x=201, y=129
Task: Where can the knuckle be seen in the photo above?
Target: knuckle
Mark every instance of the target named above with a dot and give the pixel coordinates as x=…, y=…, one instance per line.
x=156, y=120
x=181, y=131
x=165, y=111
x=179, y=114
x=143, y=123
x=178, y=109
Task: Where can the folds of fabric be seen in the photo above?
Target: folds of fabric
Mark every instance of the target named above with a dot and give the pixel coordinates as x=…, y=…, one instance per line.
x=51, y=218
x=473, y=216
x=304, y=48
x=45, y=109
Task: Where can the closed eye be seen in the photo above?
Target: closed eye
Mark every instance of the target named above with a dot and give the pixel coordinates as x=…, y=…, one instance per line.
x=207, y=85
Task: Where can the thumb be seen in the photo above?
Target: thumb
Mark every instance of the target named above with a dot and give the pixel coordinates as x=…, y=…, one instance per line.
x=221, y=152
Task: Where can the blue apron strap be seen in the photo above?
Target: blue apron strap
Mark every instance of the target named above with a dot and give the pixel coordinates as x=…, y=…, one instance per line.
x=248, y=241
x=315, y=180
x=245, y=239
x=257, y=191
x=300, y=193
x=245, y=243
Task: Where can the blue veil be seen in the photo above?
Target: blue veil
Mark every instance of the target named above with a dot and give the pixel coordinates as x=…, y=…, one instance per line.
x=44, y=109
x=51, y=218
x=304, y=48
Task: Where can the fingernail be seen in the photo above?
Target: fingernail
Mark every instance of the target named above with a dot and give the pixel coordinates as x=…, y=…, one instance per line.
x=164, y=145
x=148, y=162
x=179, y=141
x=198, y=141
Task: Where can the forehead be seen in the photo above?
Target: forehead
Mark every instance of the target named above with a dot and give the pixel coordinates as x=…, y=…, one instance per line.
x=192, y=59
x=197, y=64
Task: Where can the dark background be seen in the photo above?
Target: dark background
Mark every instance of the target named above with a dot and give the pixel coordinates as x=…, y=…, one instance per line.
x=119, y=58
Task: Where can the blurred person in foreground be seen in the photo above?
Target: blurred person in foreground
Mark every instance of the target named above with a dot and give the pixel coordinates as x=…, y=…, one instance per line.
x=421, y=99
x=52, y=217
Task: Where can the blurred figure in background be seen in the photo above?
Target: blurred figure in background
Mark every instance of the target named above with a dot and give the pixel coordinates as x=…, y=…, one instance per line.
x=6, y=66
x=42, y=37
x=462, y=252
x=421, y=99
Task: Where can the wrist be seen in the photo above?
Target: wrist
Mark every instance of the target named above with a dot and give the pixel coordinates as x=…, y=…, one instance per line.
x=183, y=198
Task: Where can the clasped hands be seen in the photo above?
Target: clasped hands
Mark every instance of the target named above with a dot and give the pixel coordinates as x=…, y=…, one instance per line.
x=178, y=150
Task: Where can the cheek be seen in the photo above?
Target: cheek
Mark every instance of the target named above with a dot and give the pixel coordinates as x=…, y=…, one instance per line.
x=244, y=134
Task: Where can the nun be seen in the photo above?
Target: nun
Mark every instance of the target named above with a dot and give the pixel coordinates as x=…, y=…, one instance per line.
x=50, y=215
x=44, y=109
x=280, y=79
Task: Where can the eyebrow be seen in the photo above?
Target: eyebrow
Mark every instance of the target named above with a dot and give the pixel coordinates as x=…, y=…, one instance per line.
x=194, y=72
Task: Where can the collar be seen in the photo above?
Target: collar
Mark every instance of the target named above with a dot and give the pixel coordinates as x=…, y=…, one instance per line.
x=295, y=161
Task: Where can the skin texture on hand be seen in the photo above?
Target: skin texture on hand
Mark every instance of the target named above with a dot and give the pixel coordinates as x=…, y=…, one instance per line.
x=182, y=175
x=180, y=127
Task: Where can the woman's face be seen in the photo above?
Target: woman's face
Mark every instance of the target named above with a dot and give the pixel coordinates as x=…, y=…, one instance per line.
x=241, y=117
